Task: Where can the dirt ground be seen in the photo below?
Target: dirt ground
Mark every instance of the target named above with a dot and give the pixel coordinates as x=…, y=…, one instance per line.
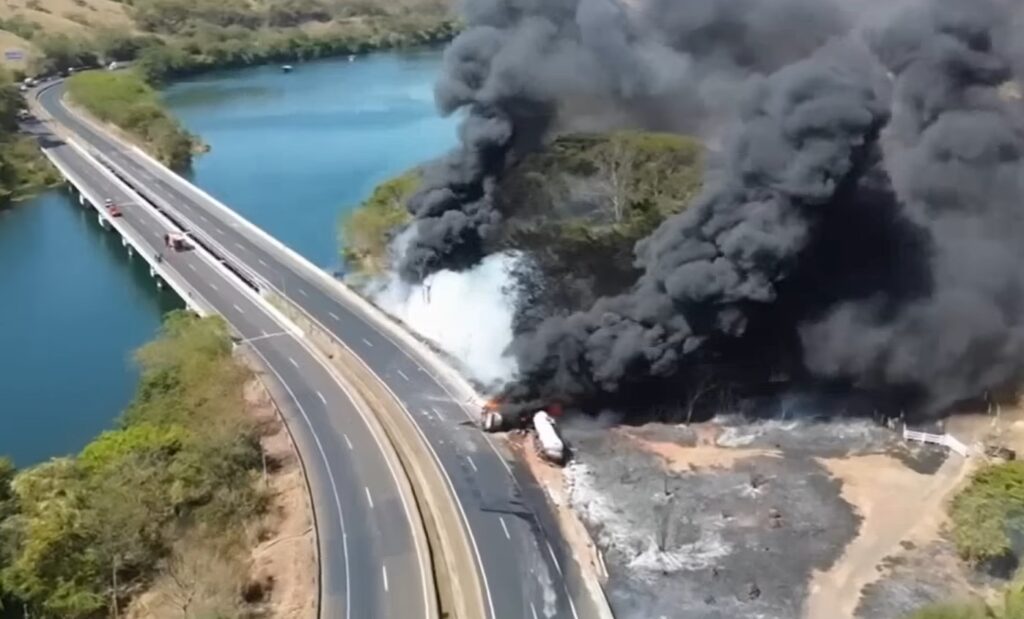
x=279, y=573
x=896, y=505
x=772, y=518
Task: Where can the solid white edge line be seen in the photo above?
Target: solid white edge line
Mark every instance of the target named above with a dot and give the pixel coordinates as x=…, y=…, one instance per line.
x=504, y=528
x=330, y=476
x=551, y=551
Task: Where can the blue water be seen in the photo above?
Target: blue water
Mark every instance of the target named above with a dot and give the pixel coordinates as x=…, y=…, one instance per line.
x=74, y=308
x=292, y=151
x=289, y=151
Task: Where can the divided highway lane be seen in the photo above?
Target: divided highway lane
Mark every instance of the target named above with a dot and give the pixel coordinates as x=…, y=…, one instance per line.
x=369, y=565
x=522, y=568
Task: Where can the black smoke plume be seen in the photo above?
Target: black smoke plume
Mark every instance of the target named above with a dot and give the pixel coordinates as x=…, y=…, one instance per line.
x=867, y=213
x=524, y=69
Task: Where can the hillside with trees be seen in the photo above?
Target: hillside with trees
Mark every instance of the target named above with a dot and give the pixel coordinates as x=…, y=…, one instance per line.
x=172, y=38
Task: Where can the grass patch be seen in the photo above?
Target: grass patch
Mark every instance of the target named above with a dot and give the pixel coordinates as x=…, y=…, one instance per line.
x=988, y=512
x=367, y=230
x=122, y=98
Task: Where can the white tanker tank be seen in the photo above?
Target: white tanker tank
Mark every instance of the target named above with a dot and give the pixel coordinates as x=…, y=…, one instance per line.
x=549, y=442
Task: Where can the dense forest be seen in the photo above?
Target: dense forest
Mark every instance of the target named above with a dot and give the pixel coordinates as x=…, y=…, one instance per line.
x=172, y=38
x=166, y=497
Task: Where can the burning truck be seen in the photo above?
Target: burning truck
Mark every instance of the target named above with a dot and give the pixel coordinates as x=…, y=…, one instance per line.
x=547, y=438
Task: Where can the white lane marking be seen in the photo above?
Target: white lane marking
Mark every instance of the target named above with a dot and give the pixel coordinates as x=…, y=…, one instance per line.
x=238, y=309
x=533, y=609
x=334, y=316
x=322, y=398
x=293, y=362
x=261, y=261
x=192, y=266
x=384, y=568
x=369, y=497
x=473, y=464
x=303, y=292
x=213, y=285
x=218, y=230
x=203, y=218
x=239, y=246
x=551, y=551
x=233, y=224
x=504, y=527
x=330, y=476
x=347, y=442
x=402, y=374
x=368, y=342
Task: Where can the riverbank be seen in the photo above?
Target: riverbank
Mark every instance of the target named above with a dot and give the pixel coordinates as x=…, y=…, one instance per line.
x=197, y=475
x=170, y=39
x=124, y=100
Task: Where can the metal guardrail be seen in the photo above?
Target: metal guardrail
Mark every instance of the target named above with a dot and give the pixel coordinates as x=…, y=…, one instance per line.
x=945, y=440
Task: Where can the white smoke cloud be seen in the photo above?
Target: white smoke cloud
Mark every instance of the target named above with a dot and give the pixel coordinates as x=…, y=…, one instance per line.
x=467, y=314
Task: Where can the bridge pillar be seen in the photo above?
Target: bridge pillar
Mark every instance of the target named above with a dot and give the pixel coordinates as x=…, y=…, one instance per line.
x=103, y=222
x=131, y=252
x=124, y=242
x=152, y=272
x=159, y=284
x=81, y=199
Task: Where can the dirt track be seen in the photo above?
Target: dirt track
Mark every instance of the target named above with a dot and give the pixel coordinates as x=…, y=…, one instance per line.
x=895, y=504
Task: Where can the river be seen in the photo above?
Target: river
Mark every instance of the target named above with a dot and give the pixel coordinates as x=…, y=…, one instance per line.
x=288, y=151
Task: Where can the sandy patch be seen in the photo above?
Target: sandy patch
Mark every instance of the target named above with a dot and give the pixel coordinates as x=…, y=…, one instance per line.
x=896, y=505
x=705, y=454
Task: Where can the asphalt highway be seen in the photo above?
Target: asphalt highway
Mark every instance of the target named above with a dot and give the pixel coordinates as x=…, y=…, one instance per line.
x=526, y=568
x=369, y=563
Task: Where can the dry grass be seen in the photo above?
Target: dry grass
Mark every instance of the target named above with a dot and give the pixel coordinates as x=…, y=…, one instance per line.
x=52, y=15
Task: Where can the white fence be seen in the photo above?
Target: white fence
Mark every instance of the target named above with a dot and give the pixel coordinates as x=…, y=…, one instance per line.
x=947, y=440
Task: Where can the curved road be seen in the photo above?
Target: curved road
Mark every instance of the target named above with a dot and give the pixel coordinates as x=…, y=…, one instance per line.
x=527, y=570
x=369, y=562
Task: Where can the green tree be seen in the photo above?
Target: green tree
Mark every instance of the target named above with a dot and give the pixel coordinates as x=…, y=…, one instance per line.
x=367, y=230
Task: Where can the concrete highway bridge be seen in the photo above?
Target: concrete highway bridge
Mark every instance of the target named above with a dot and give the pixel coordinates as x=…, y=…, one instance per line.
x=414, y=507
